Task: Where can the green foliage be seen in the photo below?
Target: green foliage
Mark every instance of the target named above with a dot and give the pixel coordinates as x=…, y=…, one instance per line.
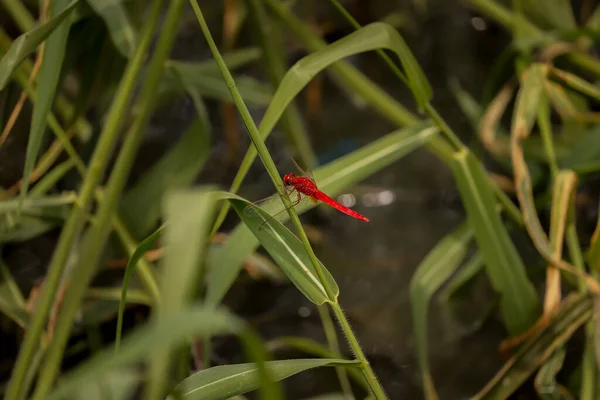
x=534, y=191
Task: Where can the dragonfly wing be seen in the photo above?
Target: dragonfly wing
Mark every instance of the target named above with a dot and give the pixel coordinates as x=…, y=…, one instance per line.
x=303, y=172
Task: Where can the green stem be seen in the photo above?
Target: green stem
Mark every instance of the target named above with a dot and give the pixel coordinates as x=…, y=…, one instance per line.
x=332, y=342
x=274, y=174
x=75, y=221
x=98, y=233
x=367, y=371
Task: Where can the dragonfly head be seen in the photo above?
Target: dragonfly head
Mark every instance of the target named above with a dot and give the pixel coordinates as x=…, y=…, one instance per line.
x=288, y=178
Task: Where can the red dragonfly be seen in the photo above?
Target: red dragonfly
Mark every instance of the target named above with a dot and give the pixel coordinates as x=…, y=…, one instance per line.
x=306, y=189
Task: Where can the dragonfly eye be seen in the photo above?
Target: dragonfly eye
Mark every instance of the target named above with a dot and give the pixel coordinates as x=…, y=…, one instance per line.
x=287, y=178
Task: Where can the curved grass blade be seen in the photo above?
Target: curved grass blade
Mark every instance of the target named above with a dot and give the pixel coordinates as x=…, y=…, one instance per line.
x=529, y=100
x=29, y=41
x=175, y=170
x=230, y=380
x=119, y=26
x=575, y=310
x=519, y=302
x=48, y=78
x=464, y=275
x=139, y=252
x=160, y=334
x=189, y=215
x=432, y=272
x=312, y=347
x=332, y=178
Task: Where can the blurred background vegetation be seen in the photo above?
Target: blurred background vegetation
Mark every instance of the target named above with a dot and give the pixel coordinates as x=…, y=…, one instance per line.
x=467, y=131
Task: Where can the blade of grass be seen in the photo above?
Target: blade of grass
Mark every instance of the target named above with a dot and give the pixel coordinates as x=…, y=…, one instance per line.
x=287, y=251
x=519, y=302
x=431, y=273
x=167, y=332
x=312, y=347
x=189, y=215
x=76, y=218
x=573, y=313
x=526, y=110
x=92, y=246
x=230, y=380
x=29, y=41
x=49, y=76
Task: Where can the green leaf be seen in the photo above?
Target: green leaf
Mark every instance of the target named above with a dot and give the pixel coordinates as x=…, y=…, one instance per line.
x=29, y=41
x=519, y=302
x=48, y=78
x=432, y=272
x=229, y=380
x=287, y=251
x=189, y=214
x=312, y=347
x=177, y=169
x=117, y=21
x=575, y=310
x=139, y=252
x=332, y=178
x=158, y=335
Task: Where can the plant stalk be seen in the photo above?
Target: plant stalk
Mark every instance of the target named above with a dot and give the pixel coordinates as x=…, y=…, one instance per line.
x=75, y=221
x=274, y=174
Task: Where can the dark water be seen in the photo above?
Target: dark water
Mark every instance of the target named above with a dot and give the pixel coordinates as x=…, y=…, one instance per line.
x=372, y=263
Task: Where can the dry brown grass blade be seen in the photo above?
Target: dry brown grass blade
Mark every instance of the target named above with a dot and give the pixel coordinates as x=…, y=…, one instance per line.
x=562, y=198
x=14, y=115
x=528, y=101
x=565, y=107
x=490, y=121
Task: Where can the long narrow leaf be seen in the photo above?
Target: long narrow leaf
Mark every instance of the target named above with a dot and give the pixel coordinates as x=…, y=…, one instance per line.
x=49, y=76
x=29, y=41
x=431, y=273
x=519, y=302
x=230, y=380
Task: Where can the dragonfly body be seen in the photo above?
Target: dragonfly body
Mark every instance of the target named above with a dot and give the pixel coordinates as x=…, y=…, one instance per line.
x=308, y=187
